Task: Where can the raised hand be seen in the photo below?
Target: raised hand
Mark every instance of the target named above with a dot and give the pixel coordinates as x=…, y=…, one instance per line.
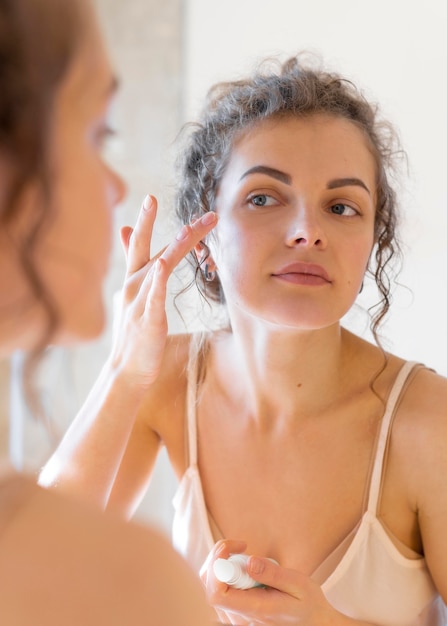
x=141, y=325
x=90, y=456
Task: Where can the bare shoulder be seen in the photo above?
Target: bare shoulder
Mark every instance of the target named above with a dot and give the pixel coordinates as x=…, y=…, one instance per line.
x=424, y=403
x=70, y=564
x=170, y=387
x=419, y=437
x=420, y=451
x=163, y=408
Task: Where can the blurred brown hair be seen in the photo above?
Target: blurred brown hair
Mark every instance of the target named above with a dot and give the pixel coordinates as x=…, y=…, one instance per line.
x=38, y=40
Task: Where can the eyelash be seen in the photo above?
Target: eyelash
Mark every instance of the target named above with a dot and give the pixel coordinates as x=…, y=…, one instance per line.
x=344, y=204
x=251, y=200
x=252, y=196
x=105, y=133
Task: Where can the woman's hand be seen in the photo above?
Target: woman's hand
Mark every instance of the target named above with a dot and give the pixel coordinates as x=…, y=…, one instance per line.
x=141, y=325
x=289, y=598
x=89, y=461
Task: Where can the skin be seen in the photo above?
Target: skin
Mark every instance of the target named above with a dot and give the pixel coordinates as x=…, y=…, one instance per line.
x=302, y=195
x=287, y=390
x=62, y=560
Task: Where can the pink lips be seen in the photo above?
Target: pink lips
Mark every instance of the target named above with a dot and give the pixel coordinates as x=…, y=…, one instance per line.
x=303, y=274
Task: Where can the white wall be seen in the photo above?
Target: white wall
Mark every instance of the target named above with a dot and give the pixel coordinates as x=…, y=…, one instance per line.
x=396, y=51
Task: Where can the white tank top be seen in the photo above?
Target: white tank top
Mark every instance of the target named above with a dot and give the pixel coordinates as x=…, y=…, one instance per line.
x=366, y=577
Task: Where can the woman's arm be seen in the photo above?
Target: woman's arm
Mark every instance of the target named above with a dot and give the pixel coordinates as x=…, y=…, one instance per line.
x=89, y=457
x=426, y=455
x=87, y=461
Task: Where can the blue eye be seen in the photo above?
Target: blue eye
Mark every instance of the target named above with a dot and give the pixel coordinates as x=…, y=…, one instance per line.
x=343, y=209
x=261, y=199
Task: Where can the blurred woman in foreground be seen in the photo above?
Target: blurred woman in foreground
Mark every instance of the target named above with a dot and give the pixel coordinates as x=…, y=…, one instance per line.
x=62, y=562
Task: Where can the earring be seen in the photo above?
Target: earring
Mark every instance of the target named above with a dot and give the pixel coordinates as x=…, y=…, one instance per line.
x=210, y=275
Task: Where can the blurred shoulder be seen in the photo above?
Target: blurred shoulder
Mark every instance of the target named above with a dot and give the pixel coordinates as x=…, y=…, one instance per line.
x=71, y=564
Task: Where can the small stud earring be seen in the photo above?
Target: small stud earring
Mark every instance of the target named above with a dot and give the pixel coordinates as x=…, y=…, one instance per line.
x=210, y=275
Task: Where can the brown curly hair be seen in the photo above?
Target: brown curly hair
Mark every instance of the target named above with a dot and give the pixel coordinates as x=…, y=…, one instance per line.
x=296, y=87
x=38, y=39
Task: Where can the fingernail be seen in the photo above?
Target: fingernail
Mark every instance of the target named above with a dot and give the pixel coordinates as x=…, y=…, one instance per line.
x=147, y=203
x=182, y=234
x=208, y=218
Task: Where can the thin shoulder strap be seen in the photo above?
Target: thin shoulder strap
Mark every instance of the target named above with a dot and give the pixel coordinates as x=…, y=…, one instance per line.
x=384, y=433
x=191, y=396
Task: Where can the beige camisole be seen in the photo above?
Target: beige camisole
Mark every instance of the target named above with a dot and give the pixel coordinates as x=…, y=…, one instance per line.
x=367, y=577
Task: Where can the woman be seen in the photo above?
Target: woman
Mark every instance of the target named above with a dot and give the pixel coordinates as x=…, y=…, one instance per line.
x=292, y=438
x=62, y=562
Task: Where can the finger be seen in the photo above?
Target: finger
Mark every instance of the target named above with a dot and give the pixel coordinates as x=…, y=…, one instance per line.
x=188, y=237
x=125, y=234
x=221, y=550
x=156, y=285
x=139, y=248
x=270, y=574
x=225, y=547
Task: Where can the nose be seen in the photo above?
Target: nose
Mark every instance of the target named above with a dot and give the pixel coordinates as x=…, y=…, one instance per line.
x=305, y=229
x=117, y=188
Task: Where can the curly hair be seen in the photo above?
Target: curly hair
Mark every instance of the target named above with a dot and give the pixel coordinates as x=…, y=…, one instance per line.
x=292, y=88
x=37, y=44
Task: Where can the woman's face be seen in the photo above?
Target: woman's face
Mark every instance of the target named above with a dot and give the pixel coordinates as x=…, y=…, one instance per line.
x=296, y=212
x=73, y=251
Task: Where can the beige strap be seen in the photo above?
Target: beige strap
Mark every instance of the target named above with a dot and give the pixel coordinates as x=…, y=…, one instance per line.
x=385, y=431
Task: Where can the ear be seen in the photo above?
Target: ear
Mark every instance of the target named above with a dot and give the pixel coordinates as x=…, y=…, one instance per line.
x=203, y=255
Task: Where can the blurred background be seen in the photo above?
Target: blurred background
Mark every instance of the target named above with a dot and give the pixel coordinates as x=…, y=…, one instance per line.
x=167, y=55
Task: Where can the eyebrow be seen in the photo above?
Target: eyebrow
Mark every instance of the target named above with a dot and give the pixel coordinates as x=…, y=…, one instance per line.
x=287, y=179
x=269, y=171
x=347, y=182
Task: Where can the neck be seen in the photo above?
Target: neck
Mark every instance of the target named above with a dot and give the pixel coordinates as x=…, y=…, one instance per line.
x=286, y=373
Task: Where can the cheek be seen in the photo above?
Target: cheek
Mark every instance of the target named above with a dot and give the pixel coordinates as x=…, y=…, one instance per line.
x=356, y=260
x=365, y=250
x=85, y=210
x=229, y=248
x=76, y=252
x=76, y=289
x=84, y=242
x=240, y=258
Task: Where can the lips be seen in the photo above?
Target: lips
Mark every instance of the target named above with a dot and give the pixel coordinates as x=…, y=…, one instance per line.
x=308, y=273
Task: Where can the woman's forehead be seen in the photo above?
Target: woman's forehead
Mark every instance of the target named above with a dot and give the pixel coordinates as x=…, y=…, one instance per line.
x=320, y=135
x=91, y=77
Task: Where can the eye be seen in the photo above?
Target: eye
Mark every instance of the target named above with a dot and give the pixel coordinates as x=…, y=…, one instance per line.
x=343, y=209
x=262, y=199
x=104, y=135
x=100, y=134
